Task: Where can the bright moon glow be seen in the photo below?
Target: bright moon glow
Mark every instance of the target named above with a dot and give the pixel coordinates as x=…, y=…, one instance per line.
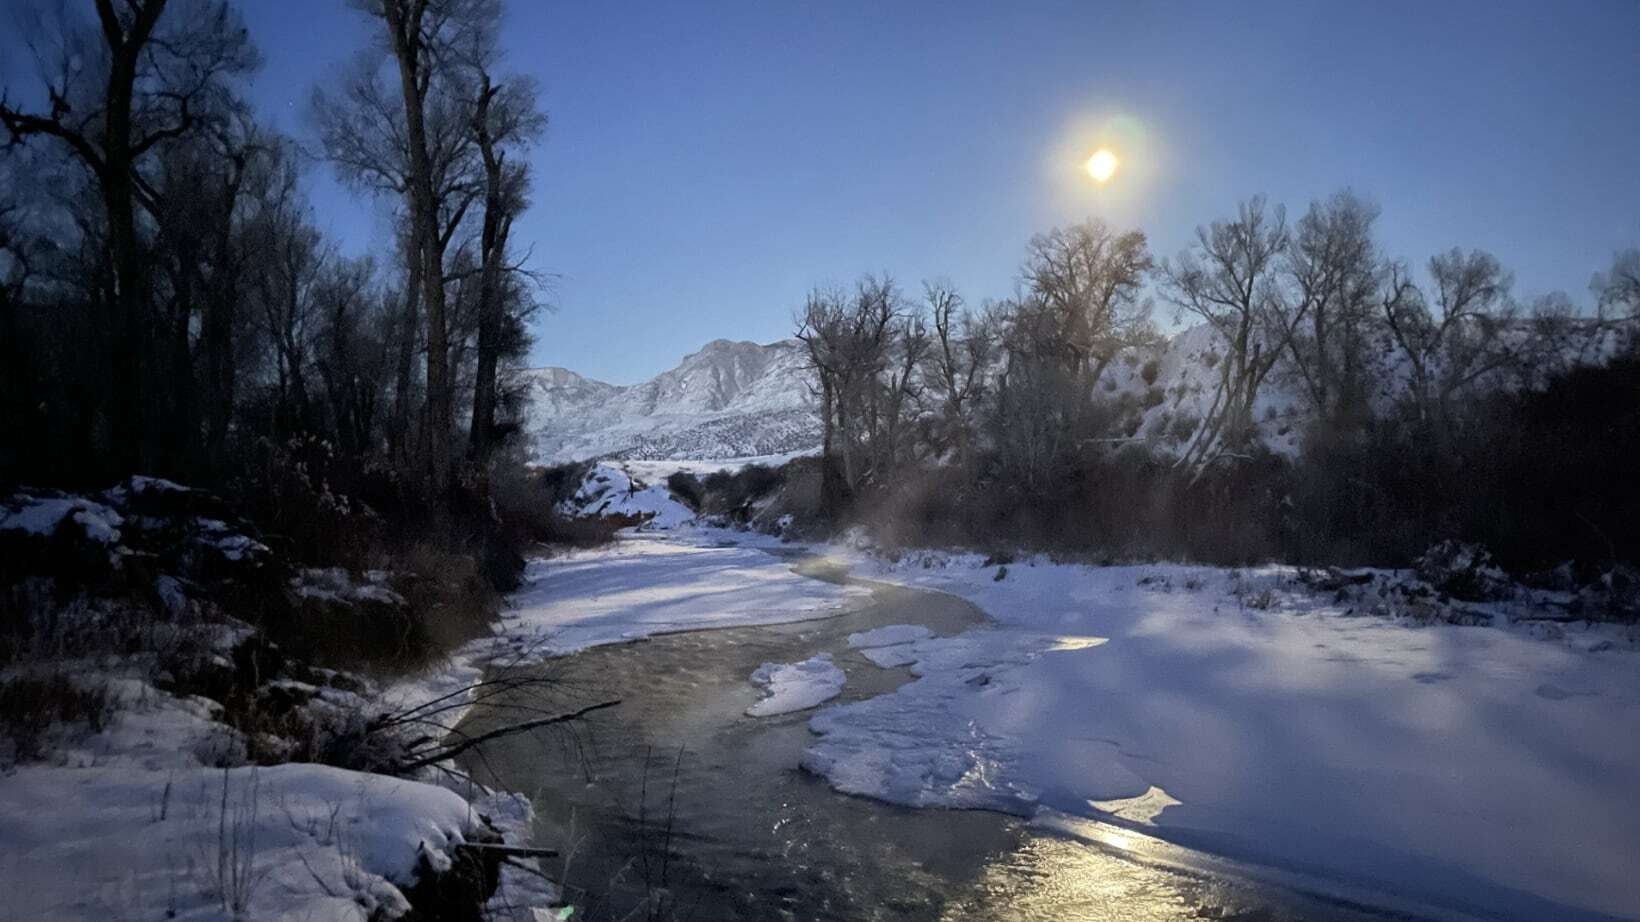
x=1102, y=165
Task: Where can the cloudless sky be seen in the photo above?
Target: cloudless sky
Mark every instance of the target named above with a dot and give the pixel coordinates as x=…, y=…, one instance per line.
x=707, y=164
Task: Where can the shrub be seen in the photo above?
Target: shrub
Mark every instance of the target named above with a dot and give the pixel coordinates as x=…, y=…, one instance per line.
x=31, y=706
x=687, y=487
x=732, y=493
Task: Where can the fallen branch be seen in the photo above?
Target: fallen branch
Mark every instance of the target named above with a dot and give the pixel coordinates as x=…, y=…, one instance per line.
x=450, y=752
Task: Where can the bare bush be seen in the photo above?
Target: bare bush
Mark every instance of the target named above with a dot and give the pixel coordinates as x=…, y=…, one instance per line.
x=32, y=706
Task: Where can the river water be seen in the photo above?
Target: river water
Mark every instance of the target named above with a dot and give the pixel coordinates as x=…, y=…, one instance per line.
x=675, y=805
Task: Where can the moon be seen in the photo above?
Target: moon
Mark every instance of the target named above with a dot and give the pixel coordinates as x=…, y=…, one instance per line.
x=1102, y=165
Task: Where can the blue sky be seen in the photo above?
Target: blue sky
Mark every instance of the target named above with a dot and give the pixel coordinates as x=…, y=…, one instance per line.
x=708, y=163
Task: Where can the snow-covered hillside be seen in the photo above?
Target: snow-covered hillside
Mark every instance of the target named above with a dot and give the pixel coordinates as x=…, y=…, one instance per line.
x=741, y=399
x=729, y=400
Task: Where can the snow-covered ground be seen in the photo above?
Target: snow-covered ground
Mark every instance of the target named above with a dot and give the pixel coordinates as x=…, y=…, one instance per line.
x=133, y=822
x=1486, y=770
x=1482, y=769
x=1477, y=769
x=649, y=583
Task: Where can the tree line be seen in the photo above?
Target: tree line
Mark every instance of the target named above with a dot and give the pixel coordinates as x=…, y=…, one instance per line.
x=168, y=302
x=1420, y=395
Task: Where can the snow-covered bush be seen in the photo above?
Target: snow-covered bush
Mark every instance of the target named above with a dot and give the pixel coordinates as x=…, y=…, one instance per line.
x=1464, y=571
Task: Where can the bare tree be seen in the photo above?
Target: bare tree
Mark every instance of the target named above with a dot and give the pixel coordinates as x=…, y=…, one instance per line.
x=505, y=119
x=1617, y=290
x=1459, y=339
x=291, y=257
x=362, y=132
x=896, y=400
x=1229, y=280
x=848, y=338
x=423, y=148
x=352, y=359
x=1332, y=269
x=115, y=93
x=1088, y=278
x=963, y=350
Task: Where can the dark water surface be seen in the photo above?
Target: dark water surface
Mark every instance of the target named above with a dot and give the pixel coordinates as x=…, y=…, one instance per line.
x=676, y=805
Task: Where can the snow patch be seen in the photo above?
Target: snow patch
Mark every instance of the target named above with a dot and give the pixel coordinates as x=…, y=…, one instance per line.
x=287, y=841
x=37, y=515
x=648, y=584
x=796, y=687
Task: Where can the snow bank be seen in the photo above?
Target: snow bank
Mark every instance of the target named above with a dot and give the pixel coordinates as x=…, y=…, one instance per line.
x=43, y=515
x=610, y=490
x=645, y=584
x=796, y=686
x=1479, y=769
x=289, y=841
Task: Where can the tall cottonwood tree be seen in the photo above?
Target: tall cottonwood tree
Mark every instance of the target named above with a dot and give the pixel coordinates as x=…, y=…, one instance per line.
x=1230, y=280
x=847, y=336
x=420, y=145
x=1332, y=270
x=1081, y=305
x=505, y=121
x=448, y=141
x=1087, y=279
x=146, y=73
x=1456, y=335
x=963, y=349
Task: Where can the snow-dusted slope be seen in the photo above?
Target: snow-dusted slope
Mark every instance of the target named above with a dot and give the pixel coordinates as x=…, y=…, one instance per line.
x=741, y=399
x=729, y=400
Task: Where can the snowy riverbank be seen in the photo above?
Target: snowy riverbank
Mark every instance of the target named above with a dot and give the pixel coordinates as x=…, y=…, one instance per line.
x=1486, y=770
x=1472, y=768
x=1478, y=769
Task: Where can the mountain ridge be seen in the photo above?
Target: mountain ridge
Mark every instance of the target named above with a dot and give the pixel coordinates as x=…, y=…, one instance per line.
x=729, y=398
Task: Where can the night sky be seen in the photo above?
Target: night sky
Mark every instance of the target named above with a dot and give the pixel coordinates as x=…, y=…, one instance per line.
x=708, y=163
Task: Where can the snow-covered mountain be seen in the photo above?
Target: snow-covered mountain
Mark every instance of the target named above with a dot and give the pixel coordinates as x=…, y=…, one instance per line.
x=741, y=400
x=728, y=400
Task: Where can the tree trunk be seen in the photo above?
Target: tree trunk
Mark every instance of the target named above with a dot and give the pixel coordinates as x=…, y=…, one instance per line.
x=492, y=246
x=403, y=383
x=131, y=444
x=404, y=22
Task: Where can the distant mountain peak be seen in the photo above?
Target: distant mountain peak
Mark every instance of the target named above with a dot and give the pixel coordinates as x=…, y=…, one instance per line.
x=730, y=398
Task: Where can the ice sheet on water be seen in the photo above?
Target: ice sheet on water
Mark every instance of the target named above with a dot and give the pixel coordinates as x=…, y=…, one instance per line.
x=796, y=686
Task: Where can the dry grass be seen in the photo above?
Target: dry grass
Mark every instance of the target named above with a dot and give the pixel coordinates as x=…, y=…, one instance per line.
x=32, y=705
